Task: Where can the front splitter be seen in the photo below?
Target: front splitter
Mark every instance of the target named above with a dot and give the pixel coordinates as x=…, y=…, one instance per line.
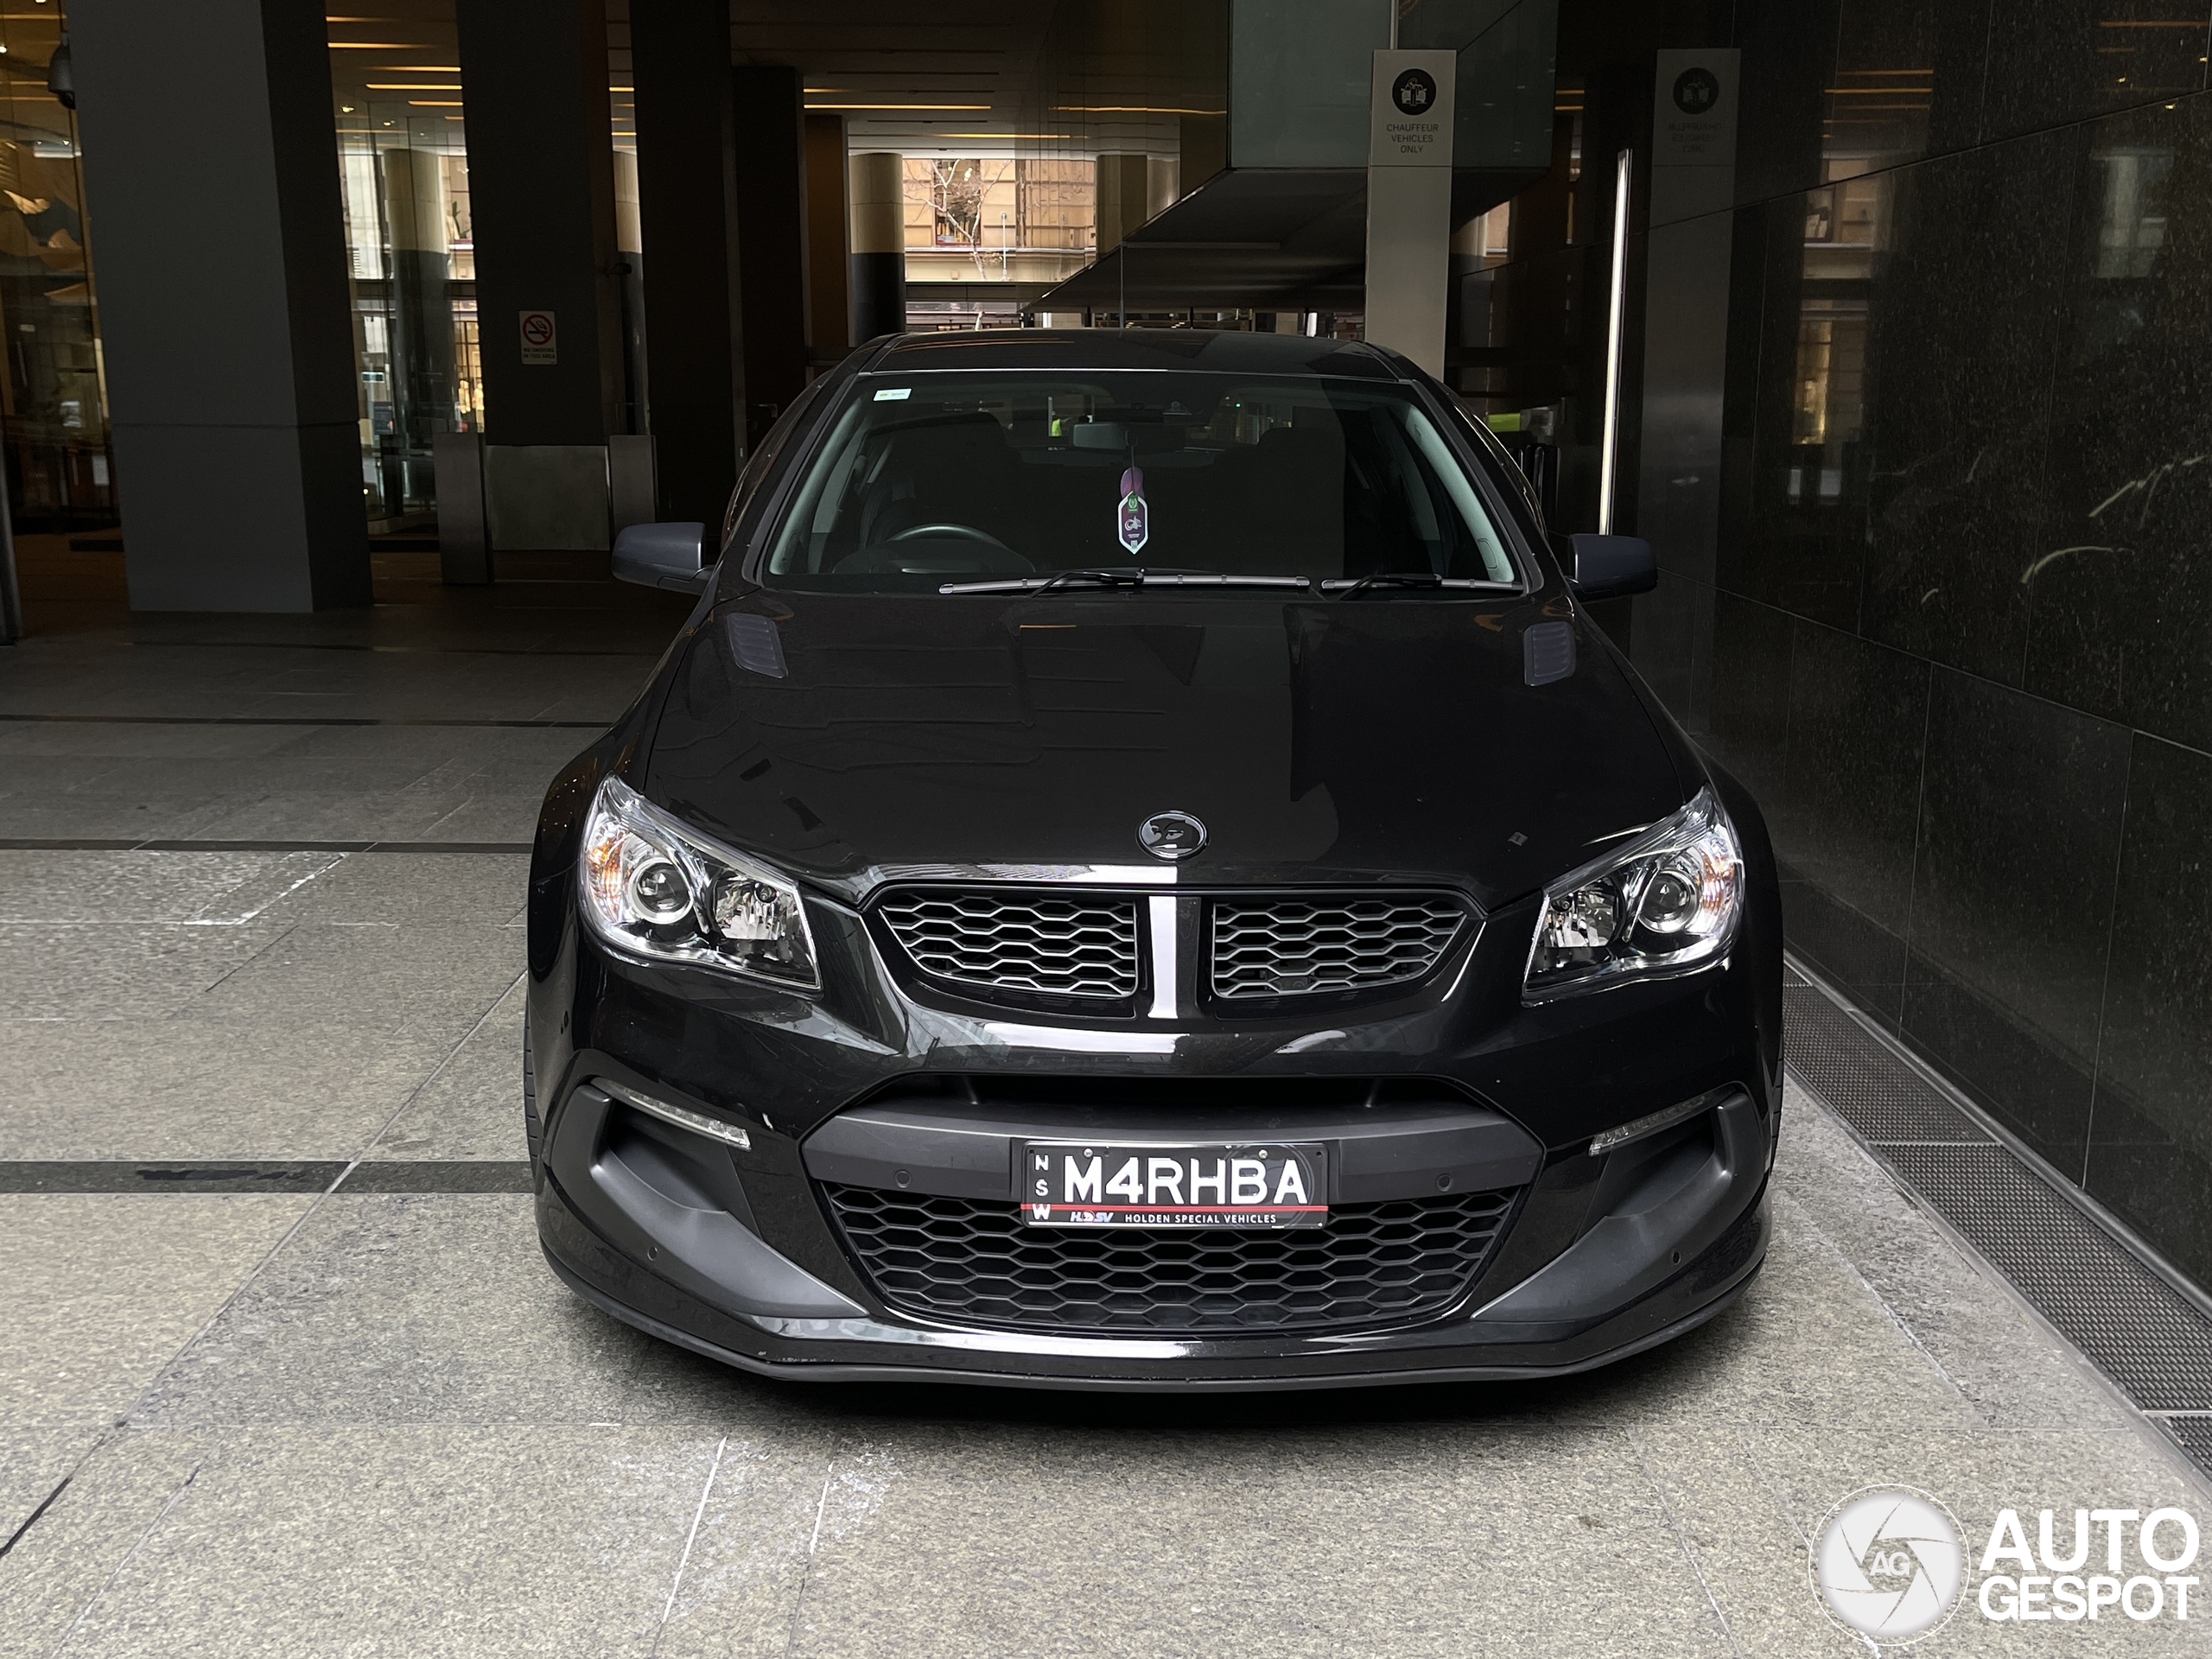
x=1737, y=1256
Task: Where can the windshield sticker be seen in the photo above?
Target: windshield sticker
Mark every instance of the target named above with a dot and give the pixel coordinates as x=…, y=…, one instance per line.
x=1132, y=519
x=895, y=394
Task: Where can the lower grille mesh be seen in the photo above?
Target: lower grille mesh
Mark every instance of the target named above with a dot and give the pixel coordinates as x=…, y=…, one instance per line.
x=972, y=1260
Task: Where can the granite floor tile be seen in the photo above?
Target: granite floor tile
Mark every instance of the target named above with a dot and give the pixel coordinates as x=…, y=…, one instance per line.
x=437, y=889
x=119, y=970
x=404, y=1308
x=214, y=889
x=183, y=1087
x=120, y=1492
x=2006, y=1364
x=472, y=1107
x=1389, y=1540
x=34, y=1462
x=380, y=1542
x=451, y=972
x=98, y=1293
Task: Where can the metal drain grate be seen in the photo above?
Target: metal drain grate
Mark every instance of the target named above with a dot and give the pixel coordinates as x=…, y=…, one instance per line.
x=2153, y=1341
x=2130, y=1322
x=1868, y=1087
x=2195, y=1435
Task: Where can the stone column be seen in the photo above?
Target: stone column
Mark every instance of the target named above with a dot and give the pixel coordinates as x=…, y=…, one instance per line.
x=224, y=315
x=541, y=176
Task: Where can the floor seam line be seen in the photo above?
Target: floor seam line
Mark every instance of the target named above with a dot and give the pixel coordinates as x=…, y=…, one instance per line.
x=806, y=1570
x=1683, y=1540
x=668, y=1608
x=129, y=1555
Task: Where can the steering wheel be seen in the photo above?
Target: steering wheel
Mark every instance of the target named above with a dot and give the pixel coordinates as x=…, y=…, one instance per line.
x=915, y=532
x=987, y=556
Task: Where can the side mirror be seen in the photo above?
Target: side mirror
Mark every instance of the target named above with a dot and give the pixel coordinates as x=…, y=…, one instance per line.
x=664, y=555
x=1609, y=567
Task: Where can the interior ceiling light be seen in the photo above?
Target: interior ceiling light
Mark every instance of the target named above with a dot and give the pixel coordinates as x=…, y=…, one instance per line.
x=420, y=68
x=433, y=103
x=413, y=86
x=380, y=46
x=898, y=106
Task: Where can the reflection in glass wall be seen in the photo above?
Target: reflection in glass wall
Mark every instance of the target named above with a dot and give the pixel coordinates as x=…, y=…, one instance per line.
x=53, y=396
x=404, y=164
x=402, y=148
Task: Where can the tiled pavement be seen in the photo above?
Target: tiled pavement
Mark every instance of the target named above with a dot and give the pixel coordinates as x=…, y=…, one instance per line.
x=366, y=1422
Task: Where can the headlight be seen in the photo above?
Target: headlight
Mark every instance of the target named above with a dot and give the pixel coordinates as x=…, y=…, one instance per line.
x=654, y=887
x=1663, y=905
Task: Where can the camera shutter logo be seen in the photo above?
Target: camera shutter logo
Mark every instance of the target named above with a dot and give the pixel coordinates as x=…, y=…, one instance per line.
x=1888, y=1563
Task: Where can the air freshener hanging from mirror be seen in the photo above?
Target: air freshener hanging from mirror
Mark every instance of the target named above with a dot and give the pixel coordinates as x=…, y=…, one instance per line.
x=1132, y=521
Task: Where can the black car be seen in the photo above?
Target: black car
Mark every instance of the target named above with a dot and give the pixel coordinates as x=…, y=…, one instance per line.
x=1141, y=871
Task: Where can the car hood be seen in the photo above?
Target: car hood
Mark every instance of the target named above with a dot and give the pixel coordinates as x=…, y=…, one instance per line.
x=854, y=739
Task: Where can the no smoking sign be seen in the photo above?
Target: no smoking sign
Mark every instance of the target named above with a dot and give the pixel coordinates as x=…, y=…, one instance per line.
x=539, y=342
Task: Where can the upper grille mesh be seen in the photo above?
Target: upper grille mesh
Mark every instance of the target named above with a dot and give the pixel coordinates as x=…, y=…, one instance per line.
x=1293, y=947
x=1021, y=942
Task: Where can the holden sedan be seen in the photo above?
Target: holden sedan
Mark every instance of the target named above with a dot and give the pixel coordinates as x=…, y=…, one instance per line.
x=1142, y=872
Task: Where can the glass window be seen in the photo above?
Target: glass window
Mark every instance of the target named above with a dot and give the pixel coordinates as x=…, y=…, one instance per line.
x=951, y=477
x=53, y=396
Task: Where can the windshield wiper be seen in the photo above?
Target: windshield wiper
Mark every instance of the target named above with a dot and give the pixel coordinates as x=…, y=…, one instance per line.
x=1344, y=587
x=1120, y=579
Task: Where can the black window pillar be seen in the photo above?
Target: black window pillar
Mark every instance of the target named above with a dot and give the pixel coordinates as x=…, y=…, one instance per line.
x=687, y=209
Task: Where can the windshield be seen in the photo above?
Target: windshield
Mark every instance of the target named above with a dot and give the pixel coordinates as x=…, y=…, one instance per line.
x=939, y=478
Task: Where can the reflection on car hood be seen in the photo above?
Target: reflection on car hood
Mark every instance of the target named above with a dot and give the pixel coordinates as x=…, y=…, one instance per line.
x=1316, y=741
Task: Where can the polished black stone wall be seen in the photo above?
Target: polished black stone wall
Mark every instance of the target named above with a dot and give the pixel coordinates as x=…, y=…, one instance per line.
x=1956, y=630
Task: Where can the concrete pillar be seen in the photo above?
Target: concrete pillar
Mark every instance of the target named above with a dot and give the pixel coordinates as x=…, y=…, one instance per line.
x=687, y=204
x=879, y=221
x=541, y=173
x=224, y=319
x=769, y=123
x=828, y=256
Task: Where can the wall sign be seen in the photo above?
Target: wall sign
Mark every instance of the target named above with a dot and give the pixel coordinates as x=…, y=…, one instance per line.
x=539, y=342
x=1409, y=109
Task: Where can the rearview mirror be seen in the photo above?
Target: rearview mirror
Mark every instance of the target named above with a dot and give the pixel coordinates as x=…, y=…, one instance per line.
x=1609, y=567
x=664, y=555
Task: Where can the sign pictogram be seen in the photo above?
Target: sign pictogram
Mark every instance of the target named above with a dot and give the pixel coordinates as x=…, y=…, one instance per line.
x=539, y=344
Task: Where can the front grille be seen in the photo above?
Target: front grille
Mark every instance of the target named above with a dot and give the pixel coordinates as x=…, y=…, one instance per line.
x=1037, y=945
x=1294, y=947
x=973, y=1262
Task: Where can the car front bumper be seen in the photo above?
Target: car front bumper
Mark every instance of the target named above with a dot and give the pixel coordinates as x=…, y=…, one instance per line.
x=740, y=1254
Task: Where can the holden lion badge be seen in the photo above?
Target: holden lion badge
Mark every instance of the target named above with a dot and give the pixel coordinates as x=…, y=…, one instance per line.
x=1171, y=834
x=1133, y=525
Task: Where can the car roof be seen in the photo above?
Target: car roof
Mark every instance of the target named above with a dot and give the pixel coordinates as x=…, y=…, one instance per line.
x=1129, y=348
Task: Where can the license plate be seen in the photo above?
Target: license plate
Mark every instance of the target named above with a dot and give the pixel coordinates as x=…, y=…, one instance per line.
x=1073, y=1184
